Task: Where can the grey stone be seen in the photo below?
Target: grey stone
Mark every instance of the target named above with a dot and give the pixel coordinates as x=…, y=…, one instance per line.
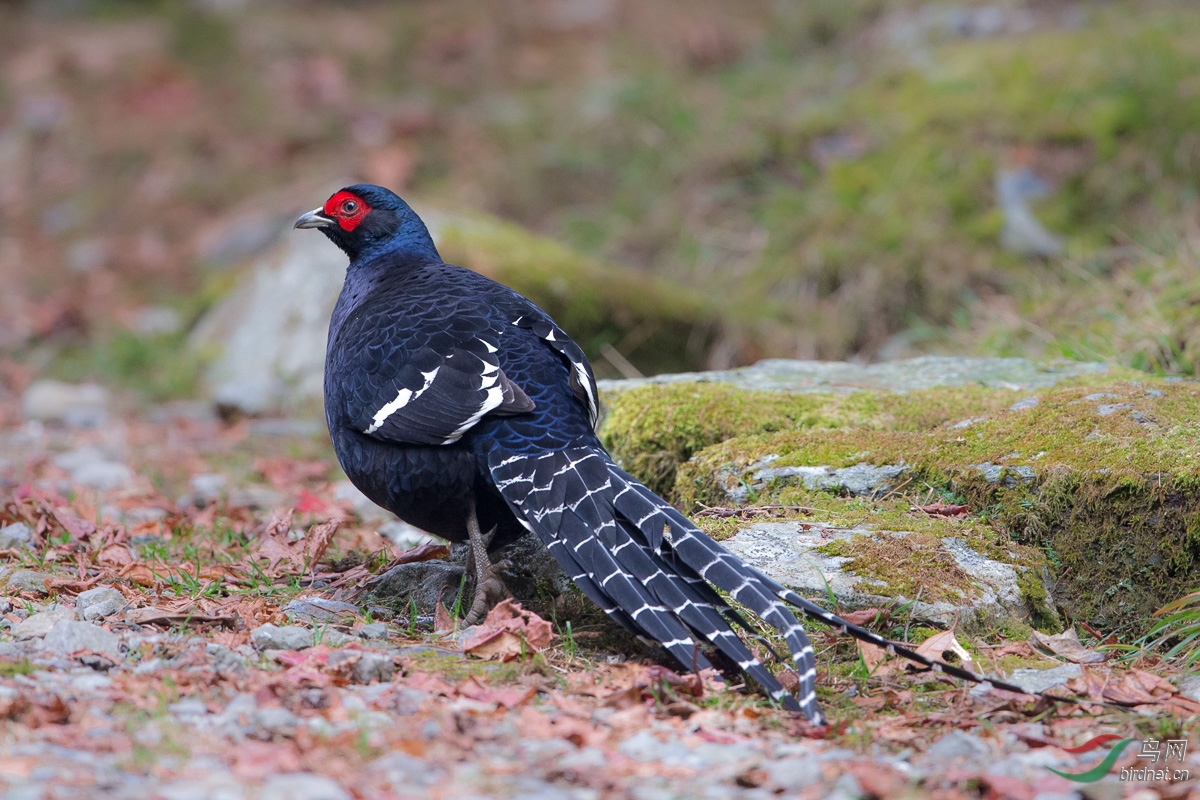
x=270, y=331
x=1189, y=687
x=188, y=707
x=905, y=375
x=405, y=536
x=860, y=479
x=238, y=712
x=1105, y=409
x=288, y=637
x=258, y=497
x=958, y=744
x=368, y=666
x=408, y=702
x=277, y=720
x=302, y=786
x=374, y=631
x=68, y=637
x=792, y=773
x=17, y=536
x=373, y=667
x=214, y=782
x=788, y=552
x=403, y=771
x=103, y=475
x=1024, y=404
x=583, y=758
x=1041, y=680
x=208, y=486
x=143, y=514
x=644, y=746
x=1006, y=475
x=846, y=787
x=422, y=583
x=331, y=637
x=538, y=582
x=100, y=602
x=224, y=660
x=90, y=682
x=321, y=610
x=25, y=580
x=78, y=405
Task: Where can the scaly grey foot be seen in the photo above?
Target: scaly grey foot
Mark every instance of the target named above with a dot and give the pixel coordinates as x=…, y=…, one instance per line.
x=489, y=586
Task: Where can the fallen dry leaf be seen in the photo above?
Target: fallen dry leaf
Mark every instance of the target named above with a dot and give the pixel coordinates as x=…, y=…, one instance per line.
x=115, y=554
x=1013, y=649
x=285, y=473
x=1066, y=645
x=428, y=682
x=155, y=574
x=157, y=616
x=422, y=552
x=509, y=632
x=76, y=526
x=943, y=510
x=510, y=697
x=442, y=621
x=870, y=654
x=941, y=644
x=287, y=556
x=866, y=616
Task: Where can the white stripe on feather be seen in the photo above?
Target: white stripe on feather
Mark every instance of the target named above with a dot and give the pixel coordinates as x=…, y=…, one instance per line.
x=495, y=396
x=403, y=398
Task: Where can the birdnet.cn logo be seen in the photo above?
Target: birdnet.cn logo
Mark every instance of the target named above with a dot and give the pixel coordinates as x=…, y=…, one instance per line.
x=1154, y=751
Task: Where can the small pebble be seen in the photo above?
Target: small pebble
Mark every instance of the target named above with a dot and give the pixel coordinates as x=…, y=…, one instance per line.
x=103, y=601
x=374, y=631
x=40, y=623
x=68, y=637
x=302, y=786
x=289, y=637
x=17, y=536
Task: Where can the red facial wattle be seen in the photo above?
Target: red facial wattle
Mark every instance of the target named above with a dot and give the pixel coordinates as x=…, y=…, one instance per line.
x=347, y=208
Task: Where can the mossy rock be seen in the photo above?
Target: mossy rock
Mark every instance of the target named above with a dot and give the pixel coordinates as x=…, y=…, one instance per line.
x=654, y=323
x=1088, y=473
x=965, y=580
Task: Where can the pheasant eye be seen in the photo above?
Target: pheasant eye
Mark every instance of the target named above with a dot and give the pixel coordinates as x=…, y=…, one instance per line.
x=349, y=207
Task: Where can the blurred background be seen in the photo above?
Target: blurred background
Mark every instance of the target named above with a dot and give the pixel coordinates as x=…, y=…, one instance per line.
x=686, y=184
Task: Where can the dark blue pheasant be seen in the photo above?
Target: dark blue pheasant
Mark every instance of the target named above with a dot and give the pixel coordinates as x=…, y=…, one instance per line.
x=461, y=407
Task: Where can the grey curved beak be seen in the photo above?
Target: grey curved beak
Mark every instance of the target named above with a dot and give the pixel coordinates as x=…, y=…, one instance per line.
x=314, y=219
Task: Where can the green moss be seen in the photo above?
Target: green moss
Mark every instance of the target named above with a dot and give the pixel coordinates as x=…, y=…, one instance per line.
x=1042, y=615
x=904, y=566
x=653, y=429
x=1098, y=484
x=657, y=325
x=156, y=367
x=459, y=667
x=9, y=669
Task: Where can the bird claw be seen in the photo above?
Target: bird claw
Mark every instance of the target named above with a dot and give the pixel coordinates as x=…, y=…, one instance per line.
x=489, y=590
x=489, y=586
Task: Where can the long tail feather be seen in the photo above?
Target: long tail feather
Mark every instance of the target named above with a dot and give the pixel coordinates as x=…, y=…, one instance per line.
x=651, y=569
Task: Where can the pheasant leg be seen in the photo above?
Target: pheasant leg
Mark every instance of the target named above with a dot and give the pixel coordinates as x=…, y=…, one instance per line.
x=489, y=586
